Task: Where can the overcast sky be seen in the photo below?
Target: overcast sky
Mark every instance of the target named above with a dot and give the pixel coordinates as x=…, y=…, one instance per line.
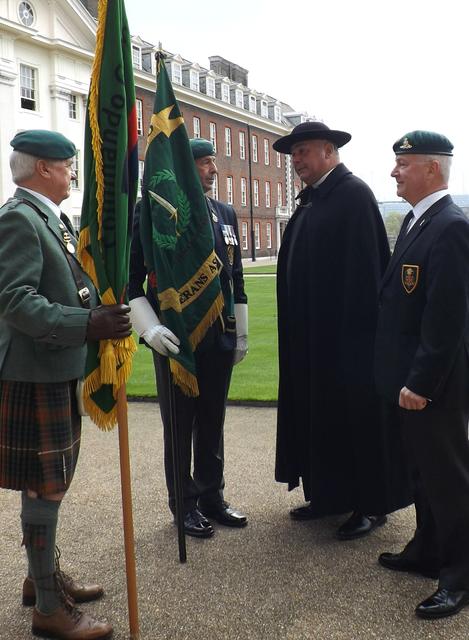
x=375, y=68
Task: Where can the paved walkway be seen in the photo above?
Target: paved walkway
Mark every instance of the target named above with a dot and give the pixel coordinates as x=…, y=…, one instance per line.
x=274, y=580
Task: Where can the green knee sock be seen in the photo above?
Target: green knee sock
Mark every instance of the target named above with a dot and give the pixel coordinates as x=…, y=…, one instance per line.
x=39, y=521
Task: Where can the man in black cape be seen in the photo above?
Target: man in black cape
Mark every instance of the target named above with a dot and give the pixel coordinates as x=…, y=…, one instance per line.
x=332, y=430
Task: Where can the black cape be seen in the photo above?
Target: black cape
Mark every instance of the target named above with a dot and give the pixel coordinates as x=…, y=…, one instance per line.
x=333, y=432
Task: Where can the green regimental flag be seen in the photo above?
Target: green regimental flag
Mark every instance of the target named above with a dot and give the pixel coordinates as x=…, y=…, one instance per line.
x=177, y=235
x=110, y=190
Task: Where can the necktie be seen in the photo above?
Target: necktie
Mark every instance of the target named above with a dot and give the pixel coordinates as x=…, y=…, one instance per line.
x=410, y=219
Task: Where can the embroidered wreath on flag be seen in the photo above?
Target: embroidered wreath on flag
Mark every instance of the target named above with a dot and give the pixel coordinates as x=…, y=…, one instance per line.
x=182, y=212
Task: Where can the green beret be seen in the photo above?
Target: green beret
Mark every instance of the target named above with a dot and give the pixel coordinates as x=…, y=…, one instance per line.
x=201, y=148
x=44, y=144
x=423, y=142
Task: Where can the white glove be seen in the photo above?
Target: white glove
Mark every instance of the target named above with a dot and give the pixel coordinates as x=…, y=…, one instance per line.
x=241, y=315
x=146, y=323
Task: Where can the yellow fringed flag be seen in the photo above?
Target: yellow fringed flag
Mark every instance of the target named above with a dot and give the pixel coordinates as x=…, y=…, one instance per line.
x=176, y=235
x=111, y=175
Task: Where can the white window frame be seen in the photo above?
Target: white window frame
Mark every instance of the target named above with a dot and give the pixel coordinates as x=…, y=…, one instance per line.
x=239, y=98
x=279, y=160
x=277, y=114
x=280, y=194
x=29, y=87
x=73, y=106
x=229, y=189
x=255, y=189
x=194, y=80
x=139, y=108
x=252, y=104
x=267, y=195
x=136, y=56
x=210, y=87
x=75, y=166
x=176, y=72
x=254, y=148
x=225, y=92
x=215, y=187
x=257, y=235
x=244, y=192
x=264, y=109
x=244, y=235
x=213, y=135
x=266, y=152
x=227, y=142
x=242, y=145
x=196, y=126
x=268, y=235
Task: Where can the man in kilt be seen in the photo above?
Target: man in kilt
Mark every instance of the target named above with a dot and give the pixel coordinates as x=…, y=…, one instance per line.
x=48, y=310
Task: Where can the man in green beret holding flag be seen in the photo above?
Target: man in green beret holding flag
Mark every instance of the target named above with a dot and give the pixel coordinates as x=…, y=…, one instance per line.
x=200, y=418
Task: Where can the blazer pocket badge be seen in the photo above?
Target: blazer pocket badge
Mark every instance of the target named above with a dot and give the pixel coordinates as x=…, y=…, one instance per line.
x=410, y=276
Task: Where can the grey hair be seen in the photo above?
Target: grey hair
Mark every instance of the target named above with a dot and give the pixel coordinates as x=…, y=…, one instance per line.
x=22, y=165
x=445, y=165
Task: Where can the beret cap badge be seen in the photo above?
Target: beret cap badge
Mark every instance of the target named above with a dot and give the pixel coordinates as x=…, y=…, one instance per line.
x=405, y=144
x=421, y=142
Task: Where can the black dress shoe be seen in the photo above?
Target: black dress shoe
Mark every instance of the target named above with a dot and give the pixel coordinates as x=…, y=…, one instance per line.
x=443, y=603
x=304, y=513
x=359, y=525
x=398, y=562
x=196, y=525
x=224, y=514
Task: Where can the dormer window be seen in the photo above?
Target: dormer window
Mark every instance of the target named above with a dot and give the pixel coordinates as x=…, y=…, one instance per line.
x=194, y=80
x=176, y=72
x=225, y=92
x=136, y=57
x=252, y=104
x=210, y=87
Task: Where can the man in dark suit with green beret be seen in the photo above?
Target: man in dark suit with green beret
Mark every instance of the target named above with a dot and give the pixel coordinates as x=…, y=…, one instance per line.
x=422, y=365
x=200, y=420
x=48, y=310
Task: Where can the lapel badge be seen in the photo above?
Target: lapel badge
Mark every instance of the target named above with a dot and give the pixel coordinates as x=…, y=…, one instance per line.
x=410, y=276
x=230, y=252
x=68, y=242
x=214, y=216
x=406, y=144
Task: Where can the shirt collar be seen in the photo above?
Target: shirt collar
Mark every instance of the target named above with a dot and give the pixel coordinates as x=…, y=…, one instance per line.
x=322, y=178
x=425, y=204
x=45, y=200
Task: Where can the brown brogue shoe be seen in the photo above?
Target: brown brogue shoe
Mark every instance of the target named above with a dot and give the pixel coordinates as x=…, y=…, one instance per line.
x=74, y=590
x=69, y=623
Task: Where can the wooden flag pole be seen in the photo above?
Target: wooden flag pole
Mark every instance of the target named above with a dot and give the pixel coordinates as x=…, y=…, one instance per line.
x=124, y=456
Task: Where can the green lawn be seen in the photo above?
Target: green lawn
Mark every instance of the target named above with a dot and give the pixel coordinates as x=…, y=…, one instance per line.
x=256, y=377
x=267, y=268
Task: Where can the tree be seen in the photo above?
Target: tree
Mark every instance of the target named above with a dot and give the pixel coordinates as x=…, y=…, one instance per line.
x=392, y=223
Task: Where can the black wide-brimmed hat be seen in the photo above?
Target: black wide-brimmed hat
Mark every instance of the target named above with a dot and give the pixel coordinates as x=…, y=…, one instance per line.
x=311, y=131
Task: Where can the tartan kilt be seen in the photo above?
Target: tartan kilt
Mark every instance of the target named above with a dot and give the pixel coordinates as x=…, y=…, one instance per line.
x=40, y=432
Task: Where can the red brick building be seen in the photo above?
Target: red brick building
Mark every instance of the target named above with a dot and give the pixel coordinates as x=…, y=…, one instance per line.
x=218, y=104
x=242, y=124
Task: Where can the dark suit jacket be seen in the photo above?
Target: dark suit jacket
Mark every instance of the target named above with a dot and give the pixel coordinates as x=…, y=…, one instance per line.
x=42, y=323
x=423, y=328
